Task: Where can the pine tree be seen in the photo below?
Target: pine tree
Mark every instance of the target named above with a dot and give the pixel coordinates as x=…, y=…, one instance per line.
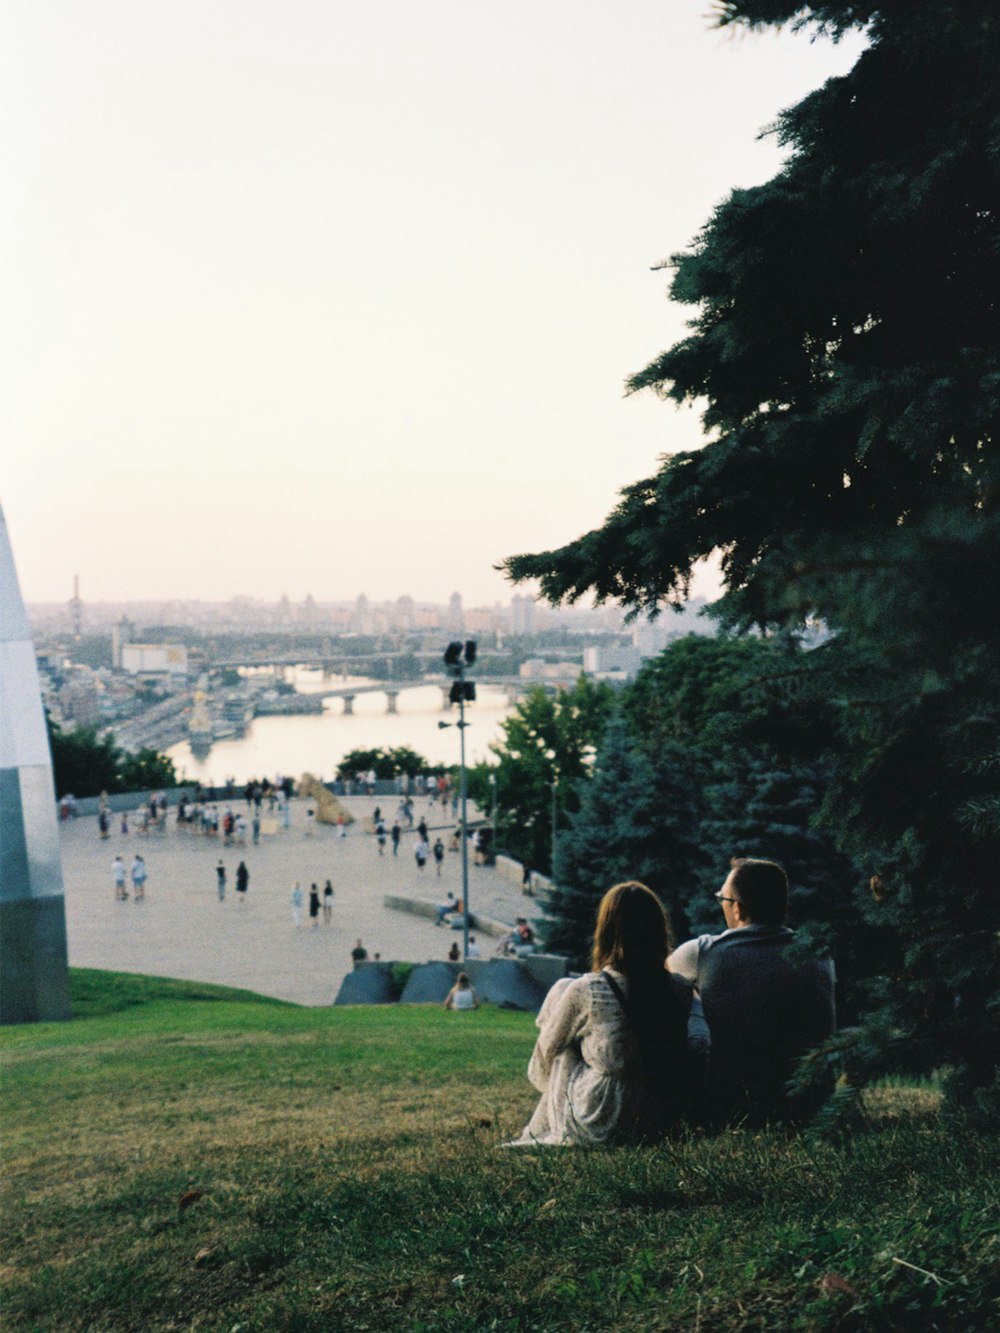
x=847, y=344
x=636, y=821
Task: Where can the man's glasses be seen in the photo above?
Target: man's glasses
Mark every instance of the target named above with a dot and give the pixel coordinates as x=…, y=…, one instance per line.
x=721, y=898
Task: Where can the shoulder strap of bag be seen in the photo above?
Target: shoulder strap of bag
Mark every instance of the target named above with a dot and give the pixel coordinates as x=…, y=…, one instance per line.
x=619, y=995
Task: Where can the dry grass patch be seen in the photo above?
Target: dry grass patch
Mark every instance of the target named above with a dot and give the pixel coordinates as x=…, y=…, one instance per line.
x=340, y=1171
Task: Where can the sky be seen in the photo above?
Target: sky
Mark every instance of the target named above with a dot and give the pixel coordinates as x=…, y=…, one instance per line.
x=313, y=297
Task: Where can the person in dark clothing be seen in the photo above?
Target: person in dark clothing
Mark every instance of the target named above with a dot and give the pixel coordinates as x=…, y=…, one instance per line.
x=242, y=880
x=764, y=1008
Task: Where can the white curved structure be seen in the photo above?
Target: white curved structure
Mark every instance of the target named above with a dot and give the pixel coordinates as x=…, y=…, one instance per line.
x=33, y=979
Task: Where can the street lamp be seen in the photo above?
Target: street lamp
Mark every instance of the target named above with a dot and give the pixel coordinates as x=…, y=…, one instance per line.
x=456, y=658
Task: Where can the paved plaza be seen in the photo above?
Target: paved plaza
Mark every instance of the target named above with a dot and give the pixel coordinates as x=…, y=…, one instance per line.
x=181, y=929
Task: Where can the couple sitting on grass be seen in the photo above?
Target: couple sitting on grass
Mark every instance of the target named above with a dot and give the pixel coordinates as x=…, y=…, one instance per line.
x=623, y=1053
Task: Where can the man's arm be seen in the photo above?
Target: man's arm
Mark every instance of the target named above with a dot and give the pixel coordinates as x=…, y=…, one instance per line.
x=684, y=961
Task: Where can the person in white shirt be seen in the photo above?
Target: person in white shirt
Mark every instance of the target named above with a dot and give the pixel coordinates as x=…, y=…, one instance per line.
x=462, y=995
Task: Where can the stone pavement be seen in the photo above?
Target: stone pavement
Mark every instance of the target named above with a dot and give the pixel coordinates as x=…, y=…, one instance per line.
x=181, y=929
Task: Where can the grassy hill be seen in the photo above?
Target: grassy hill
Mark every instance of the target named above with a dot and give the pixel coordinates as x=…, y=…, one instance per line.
x=182, y=1156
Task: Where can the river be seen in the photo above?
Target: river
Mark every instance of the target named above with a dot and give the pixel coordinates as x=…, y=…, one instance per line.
x=316, y=743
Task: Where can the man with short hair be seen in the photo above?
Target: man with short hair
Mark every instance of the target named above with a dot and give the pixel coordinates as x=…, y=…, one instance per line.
x=763, y=1008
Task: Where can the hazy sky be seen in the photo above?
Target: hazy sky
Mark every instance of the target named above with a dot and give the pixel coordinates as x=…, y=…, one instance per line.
x=311, y=296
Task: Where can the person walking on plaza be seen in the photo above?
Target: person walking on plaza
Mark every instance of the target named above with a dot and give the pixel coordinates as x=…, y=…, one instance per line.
x=297, y=900
x=420, y=853
x=439, y=855
x=256, y=827
x=220, y=880
x=139, y=878
x=396, y=834
x=102, y=824
x=328, y=904
x=314, y=906
x=310, y=821
x=242, y=881
x=118, y=871
x=380, y=837
x=422, y=829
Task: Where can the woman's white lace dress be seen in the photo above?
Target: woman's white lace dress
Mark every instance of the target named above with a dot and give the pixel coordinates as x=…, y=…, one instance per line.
x=586, y=1066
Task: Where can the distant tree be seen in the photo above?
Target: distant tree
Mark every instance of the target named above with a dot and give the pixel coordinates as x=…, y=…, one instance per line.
x=385, y=763
x=543, y=762
x=405, y=760
x=146, y=770
x=85, y=764
x=82, y=763
x=634, y=822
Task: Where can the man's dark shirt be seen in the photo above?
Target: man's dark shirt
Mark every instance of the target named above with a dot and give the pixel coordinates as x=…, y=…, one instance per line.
x=763, y=1010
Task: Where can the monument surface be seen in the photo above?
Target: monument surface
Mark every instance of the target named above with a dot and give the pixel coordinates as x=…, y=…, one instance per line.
x=33, y=978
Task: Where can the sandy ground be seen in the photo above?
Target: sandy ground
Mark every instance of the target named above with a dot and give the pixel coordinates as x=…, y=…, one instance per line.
x=181, y=929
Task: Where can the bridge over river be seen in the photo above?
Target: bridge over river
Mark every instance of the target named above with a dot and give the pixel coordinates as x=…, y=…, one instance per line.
x=513, y=686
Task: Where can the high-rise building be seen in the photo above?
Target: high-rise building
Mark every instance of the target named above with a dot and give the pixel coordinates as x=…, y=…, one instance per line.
x=456, y=614
x=76, y=609
x=362, y=622
x=122, y=633
x=405, y=614
x=522, y=614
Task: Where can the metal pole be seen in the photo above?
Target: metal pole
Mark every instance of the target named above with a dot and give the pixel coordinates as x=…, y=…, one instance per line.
x=555, y=822
x=465, y=832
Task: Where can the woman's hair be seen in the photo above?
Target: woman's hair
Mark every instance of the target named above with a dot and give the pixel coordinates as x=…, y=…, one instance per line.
x=462, y=980
x=633, y=933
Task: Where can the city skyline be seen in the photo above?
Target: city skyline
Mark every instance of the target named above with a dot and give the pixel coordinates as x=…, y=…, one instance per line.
x=306, y=300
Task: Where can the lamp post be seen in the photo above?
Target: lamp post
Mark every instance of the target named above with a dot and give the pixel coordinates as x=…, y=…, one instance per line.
x=555, y=820
x=456, y=658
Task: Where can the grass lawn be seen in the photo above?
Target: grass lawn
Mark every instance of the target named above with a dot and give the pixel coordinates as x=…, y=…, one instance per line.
x=181, y=1156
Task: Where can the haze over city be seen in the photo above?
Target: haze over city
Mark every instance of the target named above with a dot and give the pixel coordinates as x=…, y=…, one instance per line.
x=327, y=299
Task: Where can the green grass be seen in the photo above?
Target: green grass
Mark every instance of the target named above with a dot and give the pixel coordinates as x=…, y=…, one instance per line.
x=350, y=1178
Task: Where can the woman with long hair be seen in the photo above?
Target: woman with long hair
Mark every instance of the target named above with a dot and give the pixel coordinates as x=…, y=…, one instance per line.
x=611, y=1052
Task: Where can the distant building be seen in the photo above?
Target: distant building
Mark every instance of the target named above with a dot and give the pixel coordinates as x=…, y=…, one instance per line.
x=612, y=658
x=159, y=659
x=405, y=614
x=362, y=622
x=456, y=614
x=122, y=633
x=536, y=668
x=522, y=614
x=650, y=637
x=79, y=699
